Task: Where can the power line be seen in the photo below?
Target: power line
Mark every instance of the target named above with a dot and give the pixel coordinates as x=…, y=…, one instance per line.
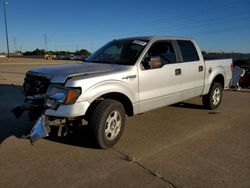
x=203, y=23
x=191, y=19
x=202, y=12
x=183, y=20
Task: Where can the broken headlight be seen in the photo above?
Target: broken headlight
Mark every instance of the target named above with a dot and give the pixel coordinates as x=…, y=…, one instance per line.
x=57, y=95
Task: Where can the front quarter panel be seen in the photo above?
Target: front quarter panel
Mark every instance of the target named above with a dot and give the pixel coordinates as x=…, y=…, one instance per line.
x=108, y=87
x=96, y=86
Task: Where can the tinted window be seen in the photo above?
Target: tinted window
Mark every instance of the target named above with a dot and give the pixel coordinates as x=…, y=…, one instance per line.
x=188, y=51
x=123, y=52
x=164, y=50
x=159, y=54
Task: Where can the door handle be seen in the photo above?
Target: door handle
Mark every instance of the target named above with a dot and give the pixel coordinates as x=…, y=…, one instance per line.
x=129, y=77
x=177, y=72
x=200, y=68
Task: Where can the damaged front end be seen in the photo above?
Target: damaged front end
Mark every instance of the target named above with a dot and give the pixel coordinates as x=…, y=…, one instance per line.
x=34, y=88
x=41, y=95
x=42, y=127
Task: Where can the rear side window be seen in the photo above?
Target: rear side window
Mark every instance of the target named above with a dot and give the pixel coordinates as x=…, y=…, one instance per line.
x=188, y=51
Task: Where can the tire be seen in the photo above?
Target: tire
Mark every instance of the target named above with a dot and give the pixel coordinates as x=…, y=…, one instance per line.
x=213, y=99
x=107, y=123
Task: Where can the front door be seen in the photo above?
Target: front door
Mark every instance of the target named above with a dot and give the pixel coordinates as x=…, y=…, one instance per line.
x=159, y=77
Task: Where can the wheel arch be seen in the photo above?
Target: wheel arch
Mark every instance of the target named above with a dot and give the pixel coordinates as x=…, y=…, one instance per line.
x=220, y=79
x=120, y=97
x=123, y=99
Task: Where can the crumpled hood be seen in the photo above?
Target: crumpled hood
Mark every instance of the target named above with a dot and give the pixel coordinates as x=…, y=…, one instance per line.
x=61, y=72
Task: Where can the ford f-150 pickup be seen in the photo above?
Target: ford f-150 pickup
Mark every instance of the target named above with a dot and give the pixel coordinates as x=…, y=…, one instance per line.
x=123, y=78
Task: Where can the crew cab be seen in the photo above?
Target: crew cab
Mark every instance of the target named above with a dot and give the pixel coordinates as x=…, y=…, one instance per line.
x=123, y=78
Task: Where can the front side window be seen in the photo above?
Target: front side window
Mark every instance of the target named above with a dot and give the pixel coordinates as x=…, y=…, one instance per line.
x=159, y=54
x=123, y=52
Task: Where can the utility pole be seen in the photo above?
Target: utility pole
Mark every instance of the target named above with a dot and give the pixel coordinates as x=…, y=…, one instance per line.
x=46, y=42
x=5, y=2
x=15, y=46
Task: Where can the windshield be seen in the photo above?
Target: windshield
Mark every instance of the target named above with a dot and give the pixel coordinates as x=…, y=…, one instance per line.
x=123, y=52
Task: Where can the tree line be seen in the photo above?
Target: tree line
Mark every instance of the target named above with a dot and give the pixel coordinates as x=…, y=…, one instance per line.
x=42, y=52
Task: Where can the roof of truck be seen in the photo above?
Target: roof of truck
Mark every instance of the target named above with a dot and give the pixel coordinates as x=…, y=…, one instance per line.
x=156, y=38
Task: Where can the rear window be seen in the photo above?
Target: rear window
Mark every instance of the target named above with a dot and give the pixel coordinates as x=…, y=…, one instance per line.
x=188, y=51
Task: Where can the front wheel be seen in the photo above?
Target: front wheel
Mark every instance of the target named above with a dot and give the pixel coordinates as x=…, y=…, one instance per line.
x=107, y=122
x=213, y=99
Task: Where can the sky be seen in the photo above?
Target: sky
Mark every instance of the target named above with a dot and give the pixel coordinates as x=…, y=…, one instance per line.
x=217, y=25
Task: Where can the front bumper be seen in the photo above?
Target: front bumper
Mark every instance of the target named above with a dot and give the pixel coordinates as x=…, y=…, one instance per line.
x=43, y=125
x=61, y=117
x=69, y=111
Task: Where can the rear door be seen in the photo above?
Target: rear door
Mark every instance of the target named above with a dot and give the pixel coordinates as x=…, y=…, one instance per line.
x=192, y=69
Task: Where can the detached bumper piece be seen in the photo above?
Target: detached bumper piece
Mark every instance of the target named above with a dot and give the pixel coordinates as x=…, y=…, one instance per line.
x=34, y=110
x=18, y=110
x=40, y=130
x=43, y=126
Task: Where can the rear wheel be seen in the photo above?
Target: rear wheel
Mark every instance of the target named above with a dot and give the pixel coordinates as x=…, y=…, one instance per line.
x=213, y=99
x=107, y=122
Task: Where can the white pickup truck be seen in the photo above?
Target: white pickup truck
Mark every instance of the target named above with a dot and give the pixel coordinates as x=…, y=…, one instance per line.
x=124, y=77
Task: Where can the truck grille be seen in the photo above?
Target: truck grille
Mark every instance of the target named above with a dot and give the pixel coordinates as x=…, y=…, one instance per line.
x=36, y=83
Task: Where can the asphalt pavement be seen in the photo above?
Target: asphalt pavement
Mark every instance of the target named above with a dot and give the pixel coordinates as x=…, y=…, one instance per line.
x=182, y=145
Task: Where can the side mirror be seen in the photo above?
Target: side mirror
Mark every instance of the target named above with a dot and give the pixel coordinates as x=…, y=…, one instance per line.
x=152, y=62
